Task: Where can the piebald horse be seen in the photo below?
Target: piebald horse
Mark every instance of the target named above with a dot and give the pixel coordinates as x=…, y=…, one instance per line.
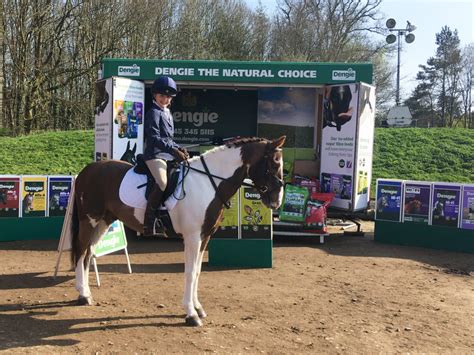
x=195, y=217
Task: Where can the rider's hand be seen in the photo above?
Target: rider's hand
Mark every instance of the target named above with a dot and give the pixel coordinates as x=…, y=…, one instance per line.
x=183, y=150
x=178, y=155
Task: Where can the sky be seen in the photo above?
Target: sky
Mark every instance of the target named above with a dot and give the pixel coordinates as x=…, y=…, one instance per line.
x=429, y=16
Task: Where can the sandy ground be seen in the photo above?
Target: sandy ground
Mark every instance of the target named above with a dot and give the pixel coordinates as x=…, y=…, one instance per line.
x=350, y=295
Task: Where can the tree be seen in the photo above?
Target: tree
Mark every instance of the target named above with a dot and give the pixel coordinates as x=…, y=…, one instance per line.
x=437, y=96
x=467, y=84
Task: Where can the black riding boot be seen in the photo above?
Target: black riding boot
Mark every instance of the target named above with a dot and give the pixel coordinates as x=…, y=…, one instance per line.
x=150, y=225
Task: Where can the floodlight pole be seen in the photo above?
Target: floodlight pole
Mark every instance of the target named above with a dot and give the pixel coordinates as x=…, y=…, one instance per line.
x=401, y=32
x=397, y=95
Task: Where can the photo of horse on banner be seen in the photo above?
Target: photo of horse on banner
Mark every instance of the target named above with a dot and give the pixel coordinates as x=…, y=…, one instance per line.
x=209, y=182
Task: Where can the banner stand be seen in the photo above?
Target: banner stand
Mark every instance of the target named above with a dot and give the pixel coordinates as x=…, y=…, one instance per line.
x=113, y=240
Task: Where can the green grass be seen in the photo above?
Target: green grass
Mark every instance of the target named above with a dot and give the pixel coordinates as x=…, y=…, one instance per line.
x=405, y=153
x=63, y=153
x=424, y=154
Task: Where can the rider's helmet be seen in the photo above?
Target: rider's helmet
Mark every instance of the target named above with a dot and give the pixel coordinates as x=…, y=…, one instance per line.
x=164, y=85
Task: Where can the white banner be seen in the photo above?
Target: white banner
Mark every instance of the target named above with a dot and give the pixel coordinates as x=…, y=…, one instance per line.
x=365, y=144
x=127, y=117
x=103, y=122
x=338, y=143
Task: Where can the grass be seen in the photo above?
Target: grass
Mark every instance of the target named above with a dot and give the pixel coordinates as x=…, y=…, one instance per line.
x=405, y=153
x=63, y=153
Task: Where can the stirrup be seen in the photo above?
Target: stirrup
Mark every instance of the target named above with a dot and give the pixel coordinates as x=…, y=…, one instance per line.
x=157, y=228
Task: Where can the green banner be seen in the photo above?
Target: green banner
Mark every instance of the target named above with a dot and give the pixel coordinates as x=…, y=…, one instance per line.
x=240, y=72
x=201, y=116
x=113, y=240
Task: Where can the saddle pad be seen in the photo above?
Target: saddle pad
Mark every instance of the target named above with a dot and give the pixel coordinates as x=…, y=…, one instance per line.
x=134, y=197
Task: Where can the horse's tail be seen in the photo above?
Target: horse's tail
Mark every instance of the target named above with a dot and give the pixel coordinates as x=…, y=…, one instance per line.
x=75, y=234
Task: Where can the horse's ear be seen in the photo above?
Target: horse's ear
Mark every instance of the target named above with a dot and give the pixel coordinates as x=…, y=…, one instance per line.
x=134, y=148
x=278, y=143
x=128, y=145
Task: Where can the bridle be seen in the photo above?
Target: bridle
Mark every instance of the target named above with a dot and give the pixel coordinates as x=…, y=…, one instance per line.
x=262, y=188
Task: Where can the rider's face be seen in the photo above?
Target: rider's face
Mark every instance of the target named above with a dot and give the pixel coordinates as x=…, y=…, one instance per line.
x=163, y=100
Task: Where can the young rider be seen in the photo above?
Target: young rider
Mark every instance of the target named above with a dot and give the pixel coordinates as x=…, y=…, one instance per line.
x=159, y=146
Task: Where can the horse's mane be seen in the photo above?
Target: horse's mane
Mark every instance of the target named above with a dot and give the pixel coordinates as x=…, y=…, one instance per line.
x=238, y=142
x=234, y=143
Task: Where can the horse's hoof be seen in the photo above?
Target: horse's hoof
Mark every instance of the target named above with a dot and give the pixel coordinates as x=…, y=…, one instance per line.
x=193, y=321
x=201, y=313
x=84, y=301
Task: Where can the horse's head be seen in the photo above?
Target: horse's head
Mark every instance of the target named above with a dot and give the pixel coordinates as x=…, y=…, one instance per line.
x=266, y=172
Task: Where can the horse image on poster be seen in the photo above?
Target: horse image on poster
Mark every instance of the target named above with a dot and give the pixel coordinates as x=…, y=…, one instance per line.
x=210, y=181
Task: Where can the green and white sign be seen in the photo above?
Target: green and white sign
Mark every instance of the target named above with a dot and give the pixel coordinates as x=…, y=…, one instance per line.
x=113, y=240
x=255, y=217
x=239, y=72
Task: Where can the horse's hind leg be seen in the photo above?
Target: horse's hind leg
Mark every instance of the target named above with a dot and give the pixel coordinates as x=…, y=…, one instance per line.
x=89, y=234
x=192, y=246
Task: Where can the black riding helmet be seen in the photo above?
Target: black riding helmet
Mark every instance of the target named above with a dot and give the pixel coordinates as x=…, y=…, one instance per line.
x=164, y=85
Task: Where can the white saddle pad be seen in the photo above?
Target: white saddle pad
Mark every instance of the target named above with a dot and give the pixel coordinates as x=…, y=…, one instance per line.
x=132, y=196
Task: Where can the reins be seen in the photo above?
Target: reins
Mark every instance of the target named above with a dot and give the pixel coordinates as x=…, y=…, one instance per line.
x=212, y=177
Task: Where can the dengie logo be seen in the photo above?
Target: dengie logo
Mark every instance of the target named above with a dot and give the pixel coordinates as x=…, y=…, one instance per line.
x=348, y=74
x=133, y=70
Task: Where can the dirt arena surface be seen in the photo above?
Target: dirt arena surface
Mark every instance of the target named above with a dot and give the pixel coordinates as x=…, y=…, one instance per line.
x=349, y=295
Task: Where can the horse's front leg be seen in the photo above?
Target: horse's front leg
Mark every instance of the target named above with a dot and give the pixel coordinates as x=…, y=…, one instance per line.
x=192, y=245
x=197, y=305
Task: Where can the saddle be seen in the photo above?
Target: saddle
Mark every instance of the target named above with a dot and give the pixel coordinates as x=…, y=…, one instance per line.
x=173, y=172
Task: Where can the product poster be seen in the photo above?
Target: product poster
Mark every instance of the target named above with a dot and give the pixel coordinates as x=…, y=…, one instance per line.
x=229, y=227
x=338, y=144
x=255, y=217
x=9, y=196
x=127, y=118
x=103, y=119
x=416, y=203
x=59, y=189
x=467, y=214
x=445, y=205
x=340, y=185
x=33, y=195
x=389, y=201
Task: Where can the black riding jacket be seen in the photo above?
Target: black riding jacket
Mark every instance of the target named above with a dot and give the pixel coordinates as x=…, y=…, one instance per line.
x=159, y=132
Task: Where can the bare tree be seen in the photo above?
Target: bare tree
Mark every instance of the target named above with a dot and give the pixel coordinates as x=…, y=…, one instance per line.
x=467, y=84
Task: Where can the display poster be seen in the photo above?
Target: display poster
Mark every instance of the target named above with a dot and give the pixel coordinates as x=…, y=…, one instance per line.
x=445, y=202
x=255, y=217
x=202, y=116
x=365, y=144
x=33, y=195
x=467, y=213
x=103, y=119
x=9, y=196
x=113, y=240
x=59, y=189
x=389, y=201
x=340, y=185
x=416, y=202
x=127, y=118
x=229, y=226
x=338, y=143
x=290, y=112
